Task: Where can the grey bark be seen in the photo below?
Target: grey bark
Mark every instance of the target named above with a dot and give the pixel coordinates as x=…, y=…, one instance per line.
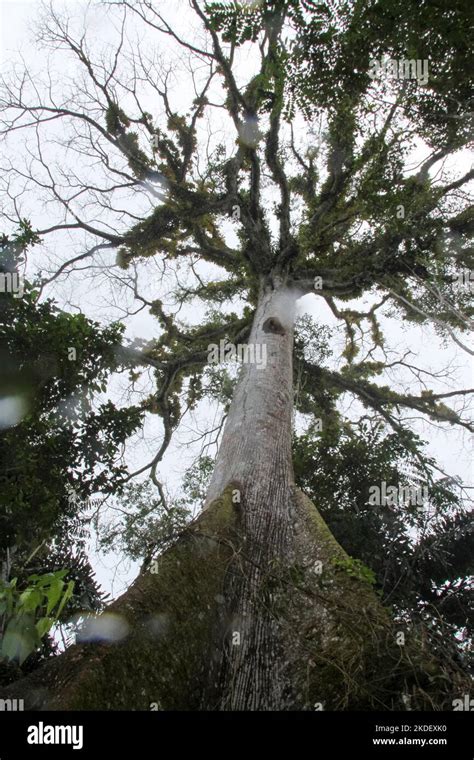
x=255, y=455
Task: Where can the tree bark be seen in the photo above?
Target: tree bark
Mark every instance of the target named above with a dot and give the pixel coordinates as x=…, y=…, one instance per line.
x=256, y=443
x=256, y=454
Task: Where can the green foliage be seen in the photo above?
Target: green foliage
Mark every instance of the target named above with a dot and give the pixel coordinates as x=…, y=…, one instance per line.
x=117, y=123
x=336, y=40
x=14, y=247
x=421, y=558
x=144, y=526
x=61, y=440
x=238, y=21
x=137, y=159
x=313, y=341
x=27, y=615
x=220, y=384
x=116, y=120
x=195, y=482
x=58, y=440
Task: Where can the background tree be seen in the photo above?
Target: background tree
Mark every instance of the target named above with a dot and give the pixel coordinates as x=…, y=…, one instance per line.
x=256, y=603
x=57, y=447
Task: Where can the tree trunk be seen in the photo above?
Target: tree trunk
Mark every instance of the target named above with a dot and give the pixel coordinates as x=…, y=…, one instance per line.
x=256, y=606
x=255, y=454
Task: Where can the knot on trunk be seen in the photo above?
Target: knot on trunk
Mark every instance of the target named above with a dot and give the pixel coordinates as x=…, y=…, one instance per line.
x=273, y=325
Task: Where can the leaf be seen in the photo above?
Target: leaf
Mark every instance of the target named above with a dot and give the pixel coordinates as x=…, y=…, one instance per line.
x=54, y=594
x=43, y=625
x=20, y=639
x=30, y=600
x=67, y=595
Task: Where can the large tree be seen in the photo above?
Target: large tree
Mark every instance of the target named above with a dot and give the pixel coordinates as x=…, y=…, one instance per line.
x=301, y=164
